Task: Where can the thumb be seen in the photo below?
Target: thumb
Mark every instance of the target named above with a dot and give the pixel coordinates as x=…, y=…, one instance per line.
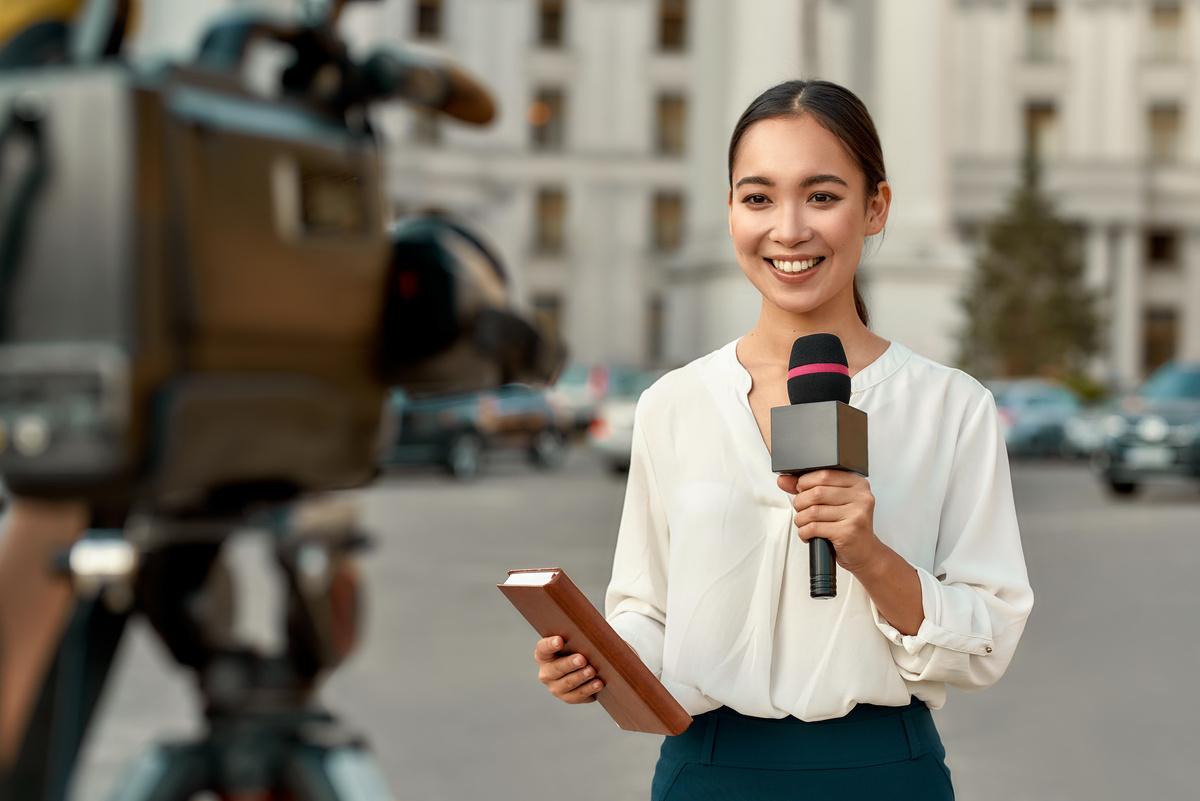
x=547, y=649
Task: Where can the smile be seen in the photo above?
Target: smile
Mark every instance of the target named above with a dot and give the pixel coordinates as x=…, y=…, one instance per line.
x=801, y=266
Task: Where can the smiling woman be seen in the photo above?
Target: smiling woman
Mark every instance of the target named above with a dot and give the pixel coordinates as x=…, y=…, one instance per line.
x=793, y=697
x=798, y=222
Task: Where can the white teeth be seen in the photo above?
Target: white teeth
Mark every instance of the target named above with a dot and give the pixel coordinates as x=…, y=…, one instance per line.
x=794, y=266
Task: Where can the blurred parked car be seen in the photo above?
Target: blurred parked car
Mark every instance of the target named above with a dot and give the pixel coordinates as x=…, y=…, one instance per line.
x=582, y=387
x=458, y=431
x=1033, y=414
x=1083, y=433
x=1155, y=434
x=611, y=431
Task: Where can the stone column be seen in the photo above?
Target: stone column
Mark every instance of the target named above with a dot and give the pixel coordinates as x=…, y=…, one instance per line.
x=1189, y=329
x=1125, y=308
x=1097, y=278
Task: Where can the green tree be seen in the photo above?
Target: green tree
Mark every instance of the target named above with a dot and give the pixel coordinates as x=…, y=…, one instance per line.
x=1027, y=309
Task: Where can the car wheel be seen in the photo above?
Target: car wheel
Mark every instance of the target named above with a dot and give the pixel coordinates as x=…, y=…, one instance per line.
x=548, y=448
x=1122, y=487
x=465, y=459
x=618, y=467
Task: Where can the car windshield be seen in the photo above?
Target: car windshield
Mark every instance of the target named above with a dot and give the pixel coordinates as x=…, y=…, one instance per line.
x=1172, y=383
x=631, y=384
x=1029, y=393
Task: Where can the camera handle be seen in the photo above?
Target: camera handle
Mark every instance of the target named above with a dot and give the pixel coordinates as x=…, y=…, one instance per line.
x=24, y=118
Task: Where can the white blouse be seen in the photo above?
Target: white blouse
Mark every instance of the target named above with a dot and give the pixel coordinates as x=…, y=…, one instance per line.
x=710, y=580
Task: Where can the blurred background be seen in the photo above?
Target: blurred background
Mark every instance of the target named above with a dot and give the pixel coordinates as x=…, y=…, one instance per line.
x=1045, y=236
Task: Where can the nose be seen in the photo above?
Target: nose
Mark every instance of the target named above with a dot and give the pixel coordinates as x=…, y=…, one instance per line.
x=791, y=225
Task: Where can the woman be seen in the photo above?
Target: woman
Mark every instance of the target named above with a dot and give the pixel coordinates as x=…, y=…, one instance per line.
x=794, y=697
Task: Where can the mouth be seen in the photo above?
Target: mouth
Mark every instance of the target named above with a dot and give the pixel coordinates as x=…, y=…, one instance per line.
x=794, y=265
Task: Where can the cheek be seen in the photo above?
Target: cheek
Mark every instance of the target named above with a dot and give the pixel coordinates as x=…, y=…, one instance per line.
x=745, y=234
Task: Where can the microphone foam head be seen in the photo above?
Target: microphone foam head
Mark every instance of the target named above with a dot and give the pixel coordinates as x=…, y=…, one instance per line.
x=818, y=371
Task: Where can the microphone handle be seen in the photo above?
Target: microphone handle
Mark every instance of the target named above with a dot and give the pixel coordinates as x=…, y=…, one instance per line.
x=822, y=573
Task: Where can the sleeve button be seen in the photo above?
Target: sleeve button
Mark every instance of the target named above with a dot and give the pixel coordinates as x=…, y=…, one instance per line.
x=987, y=649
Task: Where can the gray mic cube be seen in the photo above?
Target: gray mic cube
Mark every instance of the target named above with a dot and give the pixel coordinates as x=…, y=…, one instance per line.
x=816, y=436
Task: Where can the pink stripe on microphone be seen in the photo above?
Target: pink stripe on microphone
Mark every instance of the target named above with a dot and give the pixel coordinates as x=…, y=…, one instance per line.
x=808, y=369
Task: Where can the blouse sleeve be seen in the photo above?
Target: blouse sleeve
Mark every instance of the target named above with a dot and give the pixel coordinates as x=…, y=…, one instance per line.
x=636, y=600
x=977, y=597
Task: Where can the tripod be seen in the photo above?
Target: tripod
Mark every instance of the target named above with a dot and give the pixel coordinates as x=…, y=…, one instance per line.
x=266, y=738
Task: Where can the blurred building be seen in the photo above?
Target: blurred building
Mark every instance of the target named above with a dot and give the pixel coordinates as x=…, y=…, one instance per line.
x=583, y=180
x=603, y=181
x=1106, y=93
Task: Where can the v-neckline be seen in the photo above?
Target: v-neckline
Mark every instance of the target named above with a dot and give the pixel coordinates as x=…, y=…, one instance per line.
x=861, y=380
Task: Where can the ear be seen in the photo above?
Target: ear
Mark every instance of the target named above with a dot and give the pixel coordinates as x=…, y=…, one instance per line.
x=878, y=208
x=729, y=201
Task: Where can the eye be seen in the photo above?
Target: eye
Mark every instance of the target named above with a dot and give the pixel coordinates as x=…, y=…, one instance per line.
x=823, y=197
x=755, y=200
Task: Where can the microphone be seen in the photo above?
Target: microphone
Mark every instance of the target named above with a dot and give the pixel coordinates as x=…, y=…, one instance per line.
x=820, y=430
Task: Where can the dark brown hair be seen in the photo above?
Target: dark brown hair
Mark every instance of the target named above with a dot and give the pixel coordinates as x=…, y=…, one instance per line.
x=840, y=112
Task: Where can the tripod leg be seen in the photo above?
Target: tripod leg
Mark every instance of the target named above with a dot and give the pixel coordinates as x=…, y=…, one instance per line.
x=164, y=773
x=64, y=709
x=341, y=773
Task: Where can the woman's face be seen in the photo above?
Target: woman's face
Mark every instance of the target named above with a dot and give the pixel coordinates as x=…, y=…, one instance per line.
x=798, y=214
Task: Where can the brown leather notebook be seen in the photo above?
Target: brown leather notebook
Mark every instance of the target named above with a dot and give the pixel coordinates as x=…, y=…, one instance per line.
x=632, y=696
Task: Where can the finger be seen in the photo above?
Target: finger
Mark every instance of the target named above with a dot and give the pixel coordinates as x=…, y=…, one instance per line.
x=825, y=496
x=547, y=649
x=583, y=693
x=569, y=682
x=829, y=478
x=787, y=483
x=572, y=681
x=815, y=530
x=564, y=666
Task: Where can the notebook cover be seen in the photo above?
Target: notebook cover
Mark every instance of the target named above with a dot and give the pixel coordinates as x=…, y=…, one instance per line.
x=632, y=695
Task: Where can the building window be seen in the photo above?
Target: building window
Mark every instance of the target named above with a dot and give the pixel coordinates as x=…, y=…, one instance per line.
x=549, y=234
x=1162, y=249
x=429, y=19
x=426, y=126
x=672, y=25
x=547, y=310
x=1041, y=131
x=668, y=221
x=1041, y=31
x=1165, y=124
x=671, y=119
x=546, y=116
x=1160, y=331
x=1166, y=32
x=550, y=23
x=655, y=348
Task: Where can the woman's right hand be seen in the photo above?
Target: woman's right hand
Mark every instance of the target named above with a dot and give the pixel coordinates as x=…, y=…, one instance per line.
x=567, y=676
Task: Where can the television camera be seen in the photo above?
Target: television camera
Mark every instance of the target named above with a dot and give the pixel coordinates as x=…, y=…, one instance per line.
x=202, y=306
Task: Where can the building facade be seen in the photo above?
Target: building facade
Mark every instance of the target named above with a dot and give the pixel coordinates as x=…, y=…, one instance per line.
x=603, y=181
x=1106, y=93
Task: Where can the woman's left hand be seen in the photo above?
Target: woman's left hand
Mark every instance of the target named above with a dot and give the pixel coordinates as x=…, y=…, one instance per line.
x=840, y=507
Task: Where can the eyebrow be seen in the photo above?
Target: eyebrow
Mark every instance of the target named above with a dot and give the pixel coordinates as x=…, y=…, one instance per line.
x=812, y=180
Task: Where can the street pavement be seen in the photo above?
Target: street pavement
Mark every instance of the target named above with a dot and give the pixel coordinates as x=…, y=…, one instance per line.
x=1100, y=702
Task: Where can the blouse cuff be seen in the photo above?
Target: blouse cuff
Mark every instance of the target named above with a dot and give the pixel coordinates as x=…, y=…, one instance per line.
x=942, y=627
x=644, y=635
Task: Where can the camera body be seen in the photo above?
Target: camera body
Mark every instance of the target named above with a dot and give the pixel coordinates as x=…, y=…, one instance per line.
x=201, y=302
x=199, y=295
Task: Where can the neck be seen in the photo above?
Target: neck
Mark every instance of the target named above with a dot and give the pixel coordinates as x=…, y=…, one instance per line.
x=772, y=337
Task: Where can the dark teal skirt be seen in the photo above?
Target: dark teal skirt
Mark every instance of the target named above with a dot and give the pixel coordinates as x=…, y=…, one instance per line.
x=873, y=752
